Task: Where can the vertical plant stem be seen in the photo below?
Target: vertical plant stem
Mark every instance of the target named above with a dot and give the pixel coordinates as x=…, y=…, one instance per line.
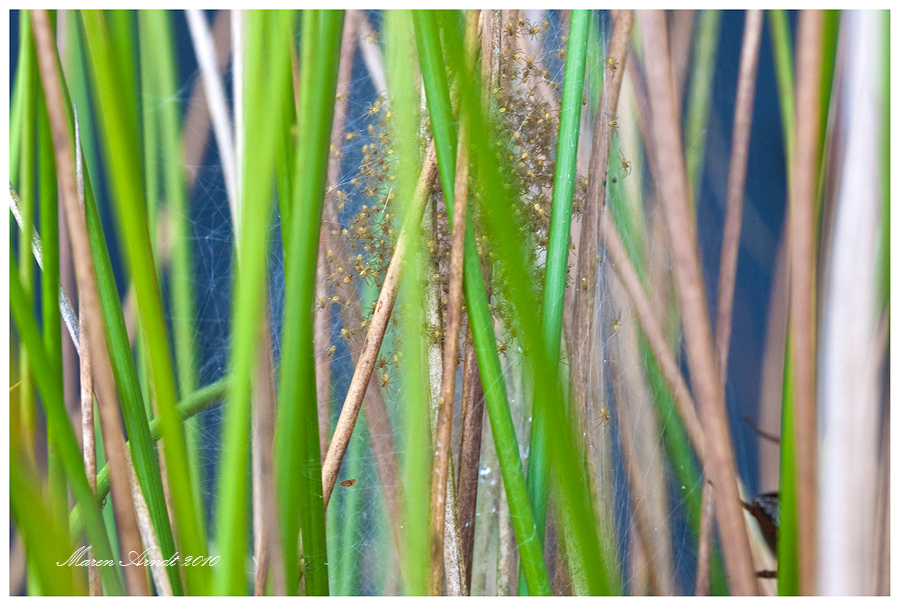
x=26, y=178
x=50, y=286
x=737, y=174
x=705, y=542
x=87, y=438
x=297, y=436
x=557, y=264
x=472, y=421
x=448, y=376
x=803, y=287
x=416, y=439
x=249, y=298
x=375, y=335
x=719, y=463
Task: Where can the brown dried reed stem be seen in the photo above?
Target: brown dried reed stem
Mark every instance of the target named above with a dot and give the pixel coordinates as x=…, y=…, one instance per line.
x=719, y=464
x=363, y=373
x=448, y=375
x=804, y=178
x=114, y=441
x=588, y=253
x=737, y=174
x=95, y=585
x=472, y=422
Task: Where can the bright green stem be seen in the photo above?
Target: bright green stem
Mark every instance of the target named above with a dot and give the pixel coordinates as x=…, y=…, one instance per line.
x=298, y=469
x=27, y=195
x=158, y=25
x=564, y=186
x=704, y=68
x=478, y=309
x=788, y=533
x=61, y=430
x=119, y=131
x=232, y=521
x=558, y=252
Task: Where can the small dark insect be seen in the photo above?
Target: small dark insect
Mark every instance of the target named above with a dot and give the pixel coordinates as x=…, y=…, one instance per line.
x=348, y=482
x=766, y=510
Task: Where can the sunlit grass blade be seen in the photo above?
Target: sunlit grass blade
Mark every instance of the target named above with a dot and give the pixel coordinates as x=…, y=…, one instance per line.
x=415, y=439
x=232, y=521
x=477, y=307
x=119, y=131
x=297, y=451
x=157, y=25
x=47, y=541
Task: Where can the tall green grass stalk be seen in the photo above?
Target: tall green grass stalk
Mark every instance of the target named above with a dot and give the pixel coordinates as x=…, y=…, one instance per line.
x=477, y=308
x=157, y=26
x=297, y=450
x=27, y=195
x=557, y=264
x=232, y=521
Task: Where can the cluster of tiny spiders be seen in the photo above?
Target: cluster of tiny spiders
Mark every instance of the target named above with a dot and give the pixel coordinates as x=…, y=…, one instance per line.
x=532, y=126
x=526, y=132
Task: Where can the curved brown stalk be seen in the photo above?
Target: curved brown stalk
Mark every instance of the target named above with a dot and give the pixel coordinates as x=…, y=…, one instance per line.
x=363, y=373
x=114, y=441
x=803, y=287
x=737, y=174
x=719, y=463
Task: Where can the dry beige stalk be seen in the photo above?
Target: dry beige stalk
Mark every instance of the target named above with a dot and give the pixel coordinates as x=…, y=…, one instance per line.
x=803, y=183
x=367, y=359
x=451, y=354
x=737, y=174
